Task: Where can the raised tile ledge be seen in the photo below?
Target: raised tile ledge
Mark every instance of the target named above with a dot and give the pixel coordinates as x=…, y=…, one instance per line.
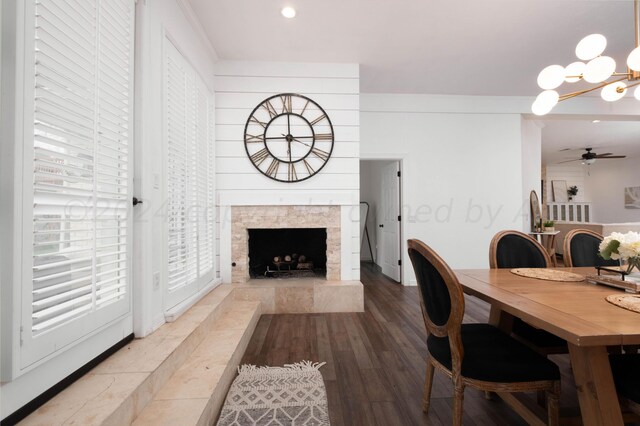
x=195, y=393
x=116, y=391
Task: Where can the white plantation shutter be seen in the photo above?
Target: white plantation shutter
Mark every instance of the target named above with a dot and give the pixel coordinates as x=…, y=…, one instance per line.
x=112, y=151
x=80, y=105
x=177, y=173
x=205, y=190
x=190, y=192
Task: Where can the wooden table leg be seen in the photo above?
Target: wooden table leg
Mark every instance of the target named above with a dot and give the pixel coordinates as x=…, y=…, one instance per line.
x=594, y=382
x=501, y=319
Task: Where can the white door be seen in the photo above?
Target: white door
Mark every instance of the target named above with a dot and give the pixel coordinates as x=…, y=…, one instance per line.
x=389, y=221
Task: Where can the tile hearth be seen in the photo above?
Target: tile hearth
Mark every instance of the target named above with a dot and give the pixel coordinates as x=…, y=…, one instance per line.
x=302, y=295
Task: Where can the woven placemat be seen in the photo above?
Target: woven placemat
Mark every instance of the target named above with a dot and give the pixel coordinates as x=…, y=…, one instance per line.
x=547, y=274
x=627, y=301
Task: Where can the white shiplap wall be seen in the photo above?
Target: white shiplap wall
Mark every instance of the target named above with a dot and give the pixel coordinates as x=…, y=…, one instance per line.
x=240, y=86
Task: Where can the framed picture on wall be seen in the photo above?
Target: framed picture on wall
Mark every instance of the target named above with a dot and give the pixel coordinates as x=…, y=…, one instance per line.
x=559, y=190
x=632, y=197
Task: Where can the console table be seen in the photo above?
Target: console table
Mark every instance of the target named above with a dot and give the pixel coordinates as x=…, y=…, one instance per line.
x=548, y=241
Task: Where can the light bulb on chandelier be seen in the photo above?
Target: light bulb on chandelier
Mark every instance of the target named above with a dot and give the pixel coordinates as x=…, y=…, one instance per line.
x=597, y=70
x=574, y=70
x=591, y=47
x=614, y=91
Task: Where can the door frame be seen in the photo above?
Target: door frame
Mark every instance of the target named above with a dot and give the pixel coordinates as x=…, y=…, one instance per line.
x=403, y=163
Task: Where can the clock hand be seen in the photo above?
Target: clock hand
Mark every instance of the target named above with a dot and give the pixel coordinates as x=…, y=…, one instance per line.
x=289, y=150
x=294, y=139
x=303, y=143
x=288, y=124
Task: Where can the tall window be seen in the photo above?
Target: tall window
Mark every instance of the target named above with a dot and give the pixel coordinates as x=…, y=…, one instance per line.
x=78, y=115
x=189, y=157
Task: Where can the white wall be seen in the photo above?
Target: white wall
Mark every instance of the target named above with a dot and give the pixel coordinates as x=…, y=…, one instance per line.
x=156, y=20
x=606, y=182
x=462, y=170
x=573, y=174
x=531, y=165
x=240, y=87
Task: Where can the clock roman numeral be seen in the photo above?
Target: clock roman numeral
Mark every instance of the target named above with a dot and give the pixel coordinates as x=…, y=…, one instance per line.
x=324, y=155
x=305, y=107
x=273, y=168
x=260, y=156
x=310, y=169
x=317, y=120
x=286, y=103
x=293, y=175
x=323, y=137
x=253, y=138
x=255, y=120
x=270, y=109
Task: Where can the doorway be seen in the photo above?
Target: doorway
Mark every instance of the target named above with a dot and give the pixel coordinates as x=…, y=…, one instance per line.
x=380, y=184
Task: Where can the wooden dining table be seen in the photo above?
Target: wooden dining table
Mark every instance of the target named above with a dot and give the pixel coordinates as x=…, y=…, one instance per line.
x=574, y=311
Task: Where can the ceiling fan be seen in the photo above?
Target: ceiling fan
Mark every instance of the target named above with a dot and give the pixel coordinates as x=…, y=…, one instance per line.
x=590, y=157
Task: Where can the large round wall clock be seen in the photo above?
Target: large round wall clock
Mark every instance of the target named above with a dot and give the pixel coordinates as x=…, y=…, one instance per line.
x=288, y=137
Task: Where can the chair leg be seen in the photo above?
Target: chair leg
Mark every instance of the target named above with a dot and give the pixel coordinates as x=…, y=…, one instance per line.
x=541, y=397
x=553, y=410
x=458, y=400
x=428, y=383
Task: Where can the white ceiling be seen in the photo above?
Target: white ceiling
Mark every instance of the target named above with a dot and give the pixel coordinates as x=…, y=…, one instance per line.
x=464, y=47
x=575, y=134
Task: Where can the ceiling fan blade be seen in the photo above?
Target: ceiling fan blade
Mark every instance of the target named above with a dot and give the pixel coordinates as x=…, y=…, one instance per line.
x=604, y=155
x=611, y=156
x=569, y=161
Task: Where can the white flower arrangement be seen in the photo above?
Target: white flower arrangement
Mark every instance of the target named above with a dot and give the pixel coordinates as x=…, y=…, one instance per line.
x=626, y=247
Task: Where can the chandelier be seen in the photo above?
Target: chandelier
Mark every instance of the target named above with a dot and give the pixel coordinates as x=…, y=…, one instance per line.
x=596, y=69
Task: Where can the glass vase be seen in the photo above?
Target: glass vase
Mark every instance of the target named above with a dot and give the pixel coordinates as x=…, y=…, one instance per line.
x=630, y=265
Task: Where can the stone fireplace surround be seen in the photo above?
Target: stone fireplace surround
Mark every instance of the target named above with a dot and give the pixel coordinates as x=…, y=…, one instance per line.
x=244, y=218
x=335, y=293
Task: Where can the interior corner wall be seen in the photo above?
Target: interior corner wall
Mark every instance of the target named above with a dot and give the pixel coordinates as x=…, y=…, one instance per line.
x=531, y=166
x=156, y=20
x=462, y=173
x=606, y=180
x=240, y=86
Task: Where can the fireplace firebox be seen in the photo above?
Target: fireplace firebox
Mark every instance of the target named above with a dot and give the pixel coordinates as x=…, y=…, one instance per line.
x=288, y=252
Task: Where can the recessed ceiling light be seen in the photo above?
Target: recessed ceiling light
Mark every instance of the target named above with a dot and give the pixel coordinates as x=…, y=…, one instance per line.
x=288, y=12
x=595, y=121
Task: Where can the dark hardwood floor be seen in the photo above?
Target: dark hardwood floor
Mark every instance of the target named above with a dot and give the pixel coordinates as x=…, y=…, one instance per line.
x=376, y=360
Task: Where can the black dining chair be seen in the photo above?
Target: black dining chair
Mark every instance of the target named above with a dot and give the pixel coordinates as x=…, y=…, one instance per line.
x=581, y=247
x=476, y=355
x=626, y=375
x=514, y=249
